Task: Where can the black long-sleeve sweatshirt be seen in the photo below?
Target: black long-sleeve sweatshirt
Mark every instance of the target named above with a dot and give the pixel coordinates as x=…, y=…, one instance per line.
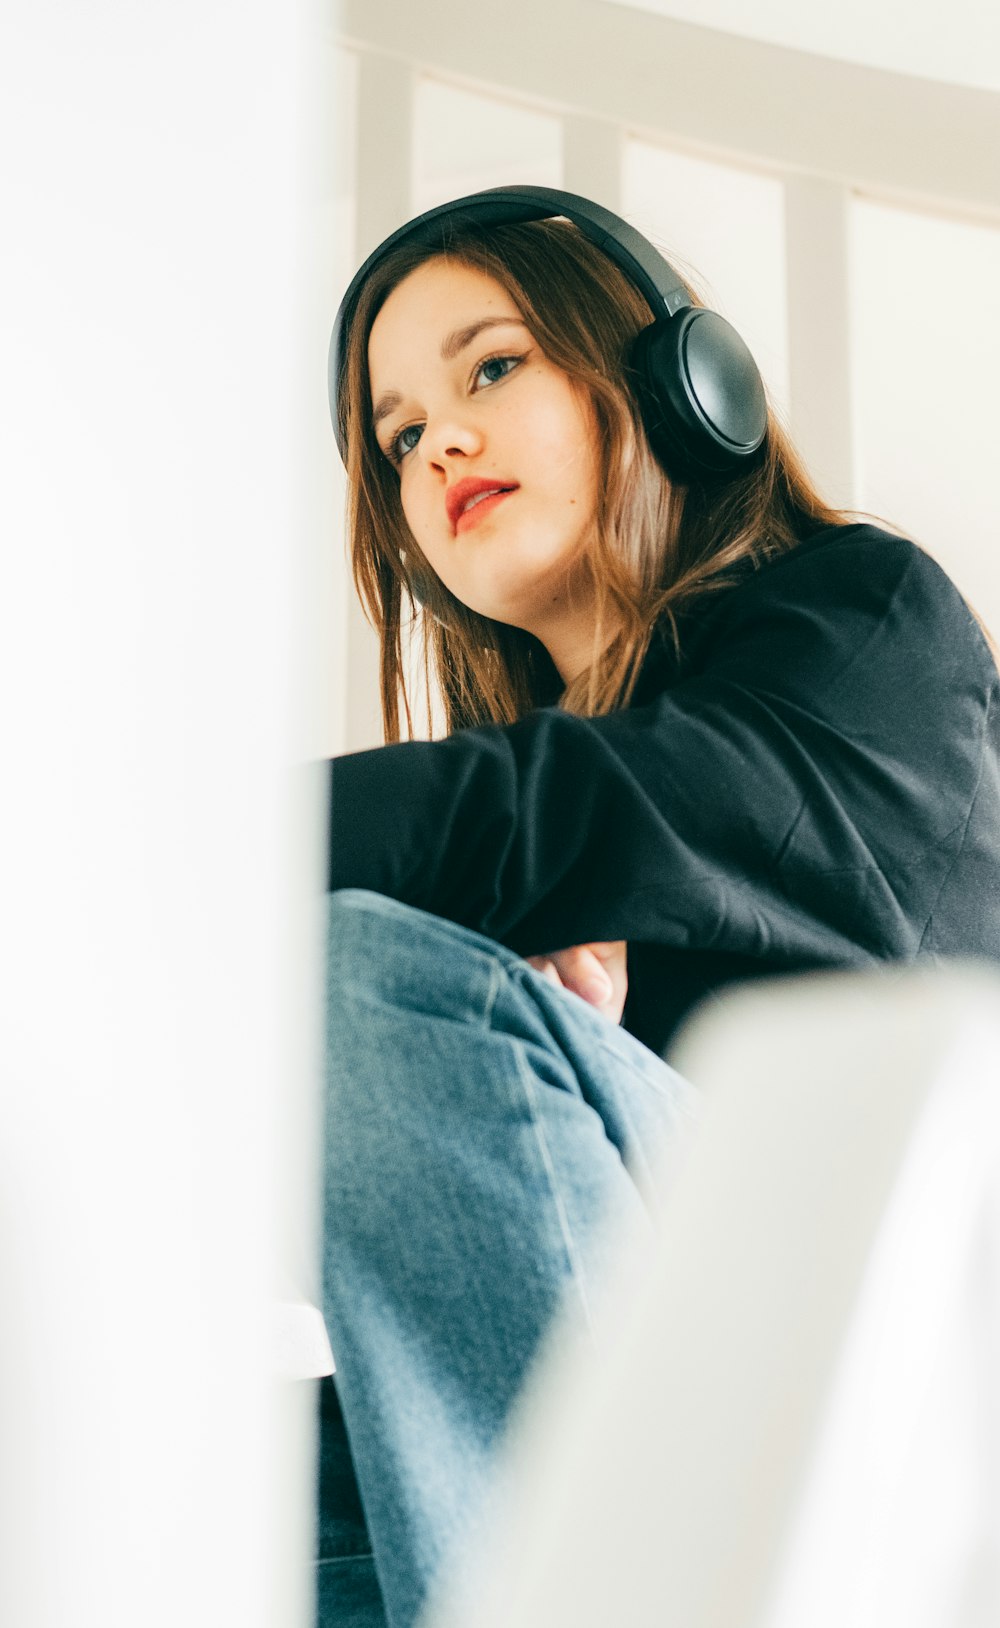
x=815, y=783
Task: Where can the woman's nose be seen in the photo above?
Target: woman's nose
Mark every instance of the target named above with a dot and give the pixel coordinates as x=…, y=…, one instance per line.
x=449, y=437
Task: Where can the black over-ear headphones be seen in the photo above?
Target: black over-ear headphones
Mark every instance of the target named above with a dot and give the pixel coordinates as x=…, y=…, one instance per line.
x=699, y=390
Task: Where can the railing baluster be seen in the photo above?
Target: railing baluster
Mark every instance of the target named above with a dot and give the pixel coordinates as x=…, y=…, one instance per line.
x=592, y=158
x=819, y=359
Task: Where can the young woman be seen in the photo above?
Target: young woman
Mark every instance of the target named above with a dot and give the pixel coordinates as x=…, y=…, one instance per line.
x=700, y=728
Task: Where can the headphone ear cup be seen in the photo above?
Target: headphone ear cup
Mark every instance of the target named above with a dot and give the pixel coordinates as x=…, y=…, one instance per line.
x=700, y=394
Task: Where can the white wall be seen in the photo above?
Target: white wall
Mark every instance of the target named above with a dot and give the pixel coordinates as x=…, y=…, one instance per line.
x=926, y=354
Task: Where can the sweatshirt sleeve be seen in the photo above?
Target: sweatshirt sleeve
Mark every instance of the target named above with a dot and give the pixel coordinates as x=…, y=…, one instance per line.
x=801, y=791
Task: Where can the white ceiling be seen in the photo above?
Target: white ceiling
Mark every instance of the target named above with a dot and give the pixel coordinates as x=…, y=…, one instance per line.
x=958, y=43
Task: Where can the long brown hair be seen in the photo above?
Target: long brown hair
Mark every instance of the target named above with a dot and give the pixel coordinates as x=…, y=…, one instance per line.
x=657, y=545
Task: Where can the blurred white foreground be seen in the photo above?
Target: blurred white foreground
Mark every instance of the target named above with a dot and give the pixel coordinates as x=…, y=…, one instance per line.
x=800, y=1421
x=161, y=388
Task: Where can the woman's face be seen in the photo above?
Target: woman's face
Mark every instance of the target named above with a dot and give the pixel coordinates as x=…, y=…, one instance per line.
x=496, y=449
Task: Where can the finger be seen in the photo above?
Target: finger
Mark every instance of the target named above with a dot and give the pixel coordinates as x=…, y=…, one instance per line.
x=582, y=971
x=610, y=951
x=546, y=966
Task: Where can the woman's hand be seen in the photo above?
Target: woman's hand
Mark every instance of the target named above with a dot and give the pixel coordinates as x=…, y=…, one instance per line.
x=598, y=972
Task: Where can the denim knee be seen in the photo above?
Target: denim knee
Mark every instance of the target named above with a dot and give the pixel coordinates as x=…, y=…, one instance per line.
x=409, y=1005
x=381, y=952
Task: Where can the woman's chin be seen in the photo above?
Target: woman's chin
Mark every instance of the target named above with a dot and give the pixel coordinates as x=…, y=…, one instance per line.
x=517, y=602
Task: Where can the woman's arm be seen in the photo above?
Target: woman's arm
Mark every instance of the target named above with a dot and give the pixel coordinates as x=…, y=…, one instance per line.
x=799, y=798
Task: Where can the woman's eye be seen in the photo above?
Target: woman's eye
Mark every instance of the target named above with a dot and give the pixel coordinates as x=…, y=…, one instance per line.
x=496, y=368
x=405, y=441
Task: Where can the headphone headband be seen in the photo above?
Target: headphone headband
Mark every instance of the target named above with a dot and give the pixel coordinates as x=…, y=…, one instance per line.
x=701, y=395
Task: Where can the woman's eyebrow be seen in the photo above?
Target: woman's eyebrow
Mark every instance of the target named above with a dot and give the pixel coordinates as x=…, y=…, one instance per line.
x=385, y=405
x=461, y=337
x=450, y=348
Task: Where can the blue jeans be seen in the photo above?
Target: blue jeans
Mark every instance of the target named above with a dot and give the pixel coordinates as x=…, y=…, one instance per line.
x=486, y=1134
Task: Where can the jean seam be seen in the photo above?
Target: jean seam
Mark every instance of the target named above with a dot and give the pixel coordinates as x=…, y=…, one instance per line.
x=619, y=1058
x=577, y=1274
x=663, y=1088
x=498, y=972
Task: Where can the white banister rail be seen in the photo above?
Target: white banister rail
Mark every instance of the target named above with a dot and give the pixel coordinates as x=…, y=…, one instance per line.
x=916, y=141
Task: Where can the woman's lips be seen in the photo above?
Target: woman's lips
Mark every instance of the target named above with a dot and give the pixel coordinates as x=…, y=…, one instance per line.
x=480, y=508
